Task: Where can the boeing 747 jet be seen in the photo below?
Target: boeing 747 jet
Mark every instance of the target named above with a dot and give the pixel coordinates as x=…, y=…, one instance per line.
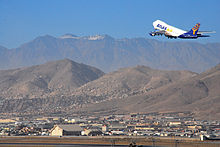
x=172, y=32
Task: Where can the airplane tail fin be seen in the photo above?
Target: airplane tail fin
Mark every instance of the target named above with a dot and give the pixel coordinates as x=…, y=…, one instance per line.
x=194, y=30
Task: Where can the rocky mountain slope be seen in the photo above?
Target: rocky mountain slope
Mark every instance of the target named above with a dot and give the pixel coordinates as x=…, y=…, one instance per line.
x=110, y=54
x=65, y=87
x=198, y=94
x=46, y=80
x=129, y=81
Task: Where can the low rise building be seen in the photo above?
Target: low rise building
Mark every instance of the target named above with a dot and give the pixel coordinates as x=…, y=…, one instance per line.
x=65, y=130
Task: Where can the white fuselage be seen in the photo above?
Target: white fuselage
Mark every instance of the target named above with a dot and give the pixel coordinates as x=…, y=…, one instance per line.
x=169, y=30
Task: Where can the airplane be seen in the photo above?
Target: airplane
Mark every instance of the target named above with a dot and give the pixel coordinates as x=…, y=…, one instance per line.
x=172, y=32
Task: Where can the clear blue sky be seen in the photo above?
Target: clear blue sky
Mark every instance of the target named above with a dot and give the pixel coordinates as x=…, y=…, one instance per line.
x=23, y=20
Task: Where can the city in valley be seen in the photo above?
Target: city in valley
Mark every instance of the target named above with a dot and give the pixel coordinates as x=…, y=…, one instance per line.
x=178, y=124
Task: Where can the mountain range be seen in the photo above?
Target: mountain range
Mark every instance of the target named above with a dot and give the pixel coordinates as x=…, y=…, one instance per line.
x=110, y=54
x=190, y=92
x=66, y=87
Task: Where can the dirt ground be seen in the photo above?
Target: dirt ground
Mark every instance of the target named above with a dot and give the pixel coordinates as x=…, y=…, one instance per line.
x=105, y=140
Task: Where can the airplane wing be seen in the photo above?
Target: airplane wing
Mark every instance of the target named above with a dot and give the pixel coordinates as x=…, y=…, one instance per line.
x=200, y=33
x=154, y=33
x=162, y=32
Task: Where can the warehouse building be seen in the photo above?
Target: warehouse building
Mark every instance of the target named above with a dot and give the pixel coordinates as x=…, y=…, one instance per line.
x=66, y=130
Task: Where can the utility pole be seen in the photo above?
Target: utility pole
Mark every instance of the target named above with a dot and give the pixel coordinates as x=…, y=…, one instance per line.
x=153, y=142
x=176, y=143
x=113, y=143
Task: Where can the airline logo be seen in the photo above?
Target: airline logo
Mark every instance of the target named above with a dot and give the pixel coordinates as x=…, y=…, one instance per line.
x=164, y=28
x=196, y=28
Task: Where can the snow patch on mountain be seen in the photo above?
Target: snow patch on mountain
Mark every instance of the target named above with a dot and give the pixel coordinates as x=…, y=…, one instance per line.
x=96, y=37
x=69, y=36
